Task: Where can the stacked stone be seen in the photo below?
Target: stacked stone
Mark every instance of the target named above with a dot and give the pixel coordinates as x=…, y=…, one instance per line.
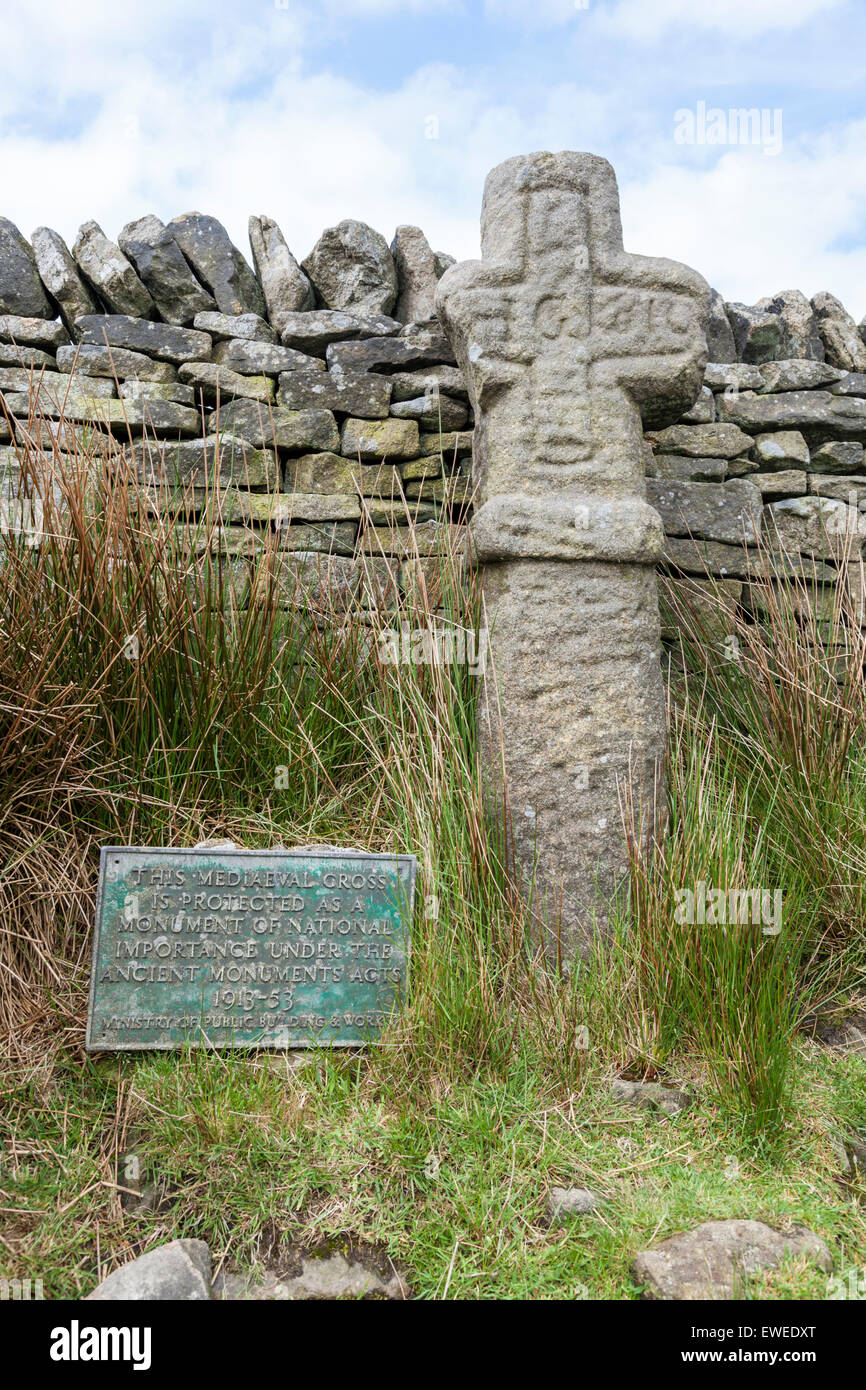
x=772, y=452
x=322, y=400
x=324, y=403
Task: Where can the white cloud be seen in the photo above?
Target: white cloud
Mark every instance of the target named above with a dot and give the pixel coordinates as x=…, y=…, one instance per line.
x=753, y=226
x=645, y=20
x=192, y=107
x=307, y=149
x=740, y=19
x=535, y=14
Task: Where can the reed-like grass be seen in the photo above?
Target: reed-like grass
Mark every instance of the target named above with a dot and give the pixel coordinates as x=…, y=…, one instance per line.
x=153, y=691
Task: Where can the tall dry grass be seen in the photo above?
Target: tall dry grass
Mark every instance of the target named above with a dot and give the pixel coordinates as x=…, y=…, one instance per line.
x=150, y=690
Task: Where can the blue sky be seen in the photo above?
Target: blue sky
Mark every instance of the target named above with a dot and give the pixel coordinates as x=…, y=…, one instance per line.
x=394, y=111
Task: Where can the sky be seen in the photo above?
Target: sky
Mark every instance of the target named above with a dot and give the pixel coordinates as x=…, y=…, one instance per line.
x=394, y=111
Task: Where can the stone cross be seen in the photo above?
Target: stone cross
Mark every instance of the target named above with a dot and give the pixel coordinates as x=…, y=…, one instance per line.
x=570, y=348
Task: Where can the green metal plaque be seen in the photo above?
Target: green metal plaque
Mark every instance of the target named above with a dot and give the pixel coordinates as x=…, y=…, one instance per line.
x=248, y=948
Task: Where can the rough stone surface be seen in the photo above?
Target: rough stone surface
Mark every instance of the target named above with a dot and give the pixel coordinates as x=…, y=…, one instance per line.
x=20, y=379
x=843, y=345
x=782, y=449
x=728, y=561
x=794, y=374
x=218, y=382
x=759, y=336
x=733, y=376
x=701, y=441
x=320, y=506
x=351, y=268
x=417, y=275
x=59, y=275
x=418, y=349
x=422, y=469
x=846, y=488
x=11, y=355
x=326, y=584
x=720, y=337
x=325, y=538
x=565, y=1202
x=46, y=334
x=316, y=330
x=800, y=336
x=92, y=360
x=795, y=410
x=454, y=444
x=324, y=1277
x=164, y=271
x=159, y=340
x=728, y=512
x=105, y=267
x=713, y=1260
x=651, y=1095
x=379, y=439
x=331, y=473
x=21, y=290
x=179, y=1271
x=814, y=526
x=406, y=541
x=286, y=288
x=838, y=456
x=305, y=431
x=156, y=416
x=433, y=412
x=851, y=384
x=682, y=468
x=253, y=357
x=249, y=327
x=789, y=483
x=218, y=263
x=551, y=330
x=712, y=601
x=138, y=388
x=847, y=1034
x=703, y=410
x=362, y=394
x=227, y=459
x=409, y=385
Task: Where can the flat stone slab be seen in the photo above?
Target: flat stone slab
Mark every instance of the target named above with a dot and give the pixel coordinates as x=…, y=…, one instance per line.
x=177, y=1272
x=651, y=1095
x=844, y=415
x=224, y=947
x=713, y=1260
x=728, y=512
x=322, y=1278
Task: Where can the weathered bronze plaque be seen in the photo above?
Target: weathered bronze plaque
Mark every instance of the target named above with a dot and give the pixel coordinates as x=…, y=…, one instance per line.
x=248, y=948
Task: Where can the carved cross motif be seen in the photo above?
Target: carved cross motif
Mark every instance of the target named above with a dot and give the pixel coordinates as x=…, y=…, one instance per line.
x=570, y=345
x=582, y=336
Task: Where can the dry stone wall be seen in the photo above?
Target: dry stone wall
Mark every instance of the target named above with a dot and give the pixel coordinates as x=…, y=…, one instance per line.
x=323, y=399
x=328, y=398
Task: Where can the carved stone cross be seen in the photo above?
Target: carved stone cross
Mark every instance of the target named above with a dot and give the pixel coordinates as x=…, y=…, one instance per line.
x=570, y=347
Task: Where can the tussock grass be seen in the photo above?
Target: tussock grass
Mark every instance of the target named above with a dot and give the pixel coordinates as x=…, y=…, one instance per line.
x=500, y=1063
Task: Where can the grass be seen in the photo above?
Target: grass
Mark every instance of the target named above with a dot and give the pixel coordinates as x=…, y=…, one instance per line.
x=263, y=714
x=239, y=1151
